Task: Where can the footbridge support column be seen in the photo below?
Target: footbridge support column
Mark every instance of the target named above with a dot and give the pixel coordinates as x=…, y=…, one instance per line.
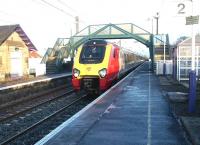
x=151, y=52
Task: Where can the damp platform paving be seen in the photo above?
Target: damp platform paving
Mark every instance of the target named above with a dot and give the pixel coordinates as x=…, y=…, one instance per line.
x=133, y=112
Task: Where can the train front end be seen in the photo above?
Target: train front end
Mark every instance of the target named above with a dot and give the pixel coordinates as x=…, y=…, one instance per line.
x=90, y=67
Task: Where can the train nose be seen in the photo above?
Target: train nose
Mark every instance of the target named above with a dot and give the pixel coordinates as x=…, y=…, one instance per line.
x=90, y=83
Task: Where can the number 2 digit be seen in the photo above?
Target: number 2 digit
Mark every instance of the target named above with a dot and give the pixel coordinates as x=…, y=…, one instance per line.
x=181, y=7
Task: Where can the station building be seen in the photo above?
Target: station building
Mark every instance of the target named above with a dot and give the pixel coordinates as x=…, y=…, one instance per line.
x=15, y=51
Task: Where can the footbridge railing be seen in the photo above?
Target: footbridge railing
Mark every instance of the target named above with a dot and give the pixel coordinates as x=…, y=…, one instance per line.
x=65, y=47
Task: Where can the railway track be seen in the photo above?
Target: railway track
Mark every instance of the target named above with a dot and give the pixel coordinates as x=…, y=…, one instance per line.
x=25, y=117
x=34, y=96
x=45, y=116
x=40, y=122
x=24, y=106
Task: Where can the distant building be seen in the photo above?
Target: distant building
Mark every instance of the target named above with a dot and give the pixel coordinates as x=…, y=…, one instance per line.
x=15, y=51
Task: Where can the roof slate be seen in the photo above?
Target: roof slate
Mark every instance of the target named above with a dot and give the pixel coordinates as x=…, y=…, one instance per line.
x=7, y=30
x=188, y=42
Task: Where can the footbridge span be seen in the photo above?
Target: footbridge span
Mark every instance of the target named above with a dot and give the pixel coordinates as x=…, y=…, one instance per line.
x=65, y=47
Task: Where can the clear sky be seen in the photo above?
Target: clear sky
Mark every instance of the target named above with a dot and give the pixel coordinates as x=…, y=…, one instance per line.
x=46, y=20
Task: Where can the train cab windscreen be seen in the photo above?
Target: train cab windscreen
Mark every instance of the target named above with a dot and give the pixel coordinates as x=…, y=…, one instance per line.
x=93, y=52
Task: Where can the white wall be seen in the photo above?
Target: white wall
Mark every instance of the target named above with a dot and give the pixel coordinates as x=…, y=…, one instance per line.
x=35, y=67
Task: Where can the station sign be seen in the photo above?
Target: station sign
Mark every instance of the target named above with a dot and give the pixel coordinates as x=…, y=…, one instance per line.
x=178, y=8
x=191, y=20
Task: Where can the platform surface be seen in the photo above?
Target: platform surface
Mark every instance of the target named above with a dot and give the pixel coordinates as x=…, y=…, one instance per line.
x=133, y=112
x=44, y=78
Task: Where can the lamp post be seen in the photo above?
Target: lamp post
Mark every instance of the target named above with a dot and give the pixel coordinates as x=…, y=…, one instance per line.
x=192, y=74
x=164, y=63
x=152, y=25
x=77, y=24
x=157, y=17
x=150, y=19
x=192, y=78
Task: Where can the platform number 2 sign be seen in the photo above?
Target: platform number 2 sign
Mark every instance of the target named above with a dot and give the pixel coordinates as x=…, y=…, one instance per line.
x=181, y=8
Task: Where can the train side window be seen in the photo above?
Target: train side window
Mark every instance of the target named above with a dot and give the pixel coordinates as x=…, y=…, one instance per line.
x=115, y=53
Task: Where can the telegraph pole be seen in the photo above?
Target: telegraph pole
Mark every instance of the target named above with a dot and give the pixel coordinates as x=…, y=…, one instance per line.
x=77, y=24
x=192, y=20
x=164, y=61
x=157, y=17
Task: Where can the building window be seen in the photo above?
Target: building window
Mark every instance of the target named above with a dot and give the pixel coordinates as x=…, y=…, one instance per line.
x=16, y=49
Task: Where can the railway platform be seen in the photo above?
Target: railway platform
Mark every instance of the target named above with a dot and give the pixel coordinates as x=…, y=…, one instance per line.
x=29, y=82
x=134, y=111
x=16, y=91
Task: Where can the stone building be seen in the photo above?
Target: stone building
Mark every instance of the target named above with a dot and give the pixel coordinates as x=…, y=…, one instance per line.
x=15, y=48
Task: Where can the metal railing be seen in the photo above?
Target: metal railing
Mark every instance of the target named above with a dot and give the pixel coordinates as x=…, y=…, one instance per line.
x=60, y=42
x=65, y=47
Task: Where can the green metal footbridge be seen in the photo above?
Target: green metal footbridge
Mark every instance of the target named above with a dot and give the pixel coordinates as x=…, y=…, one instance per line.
x=65, y=47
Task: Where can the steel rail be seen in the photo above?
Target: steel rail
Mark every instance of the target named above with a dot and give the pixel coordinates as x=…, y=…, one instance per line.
x=35, y=96
x=35, y=106
x=40, y=122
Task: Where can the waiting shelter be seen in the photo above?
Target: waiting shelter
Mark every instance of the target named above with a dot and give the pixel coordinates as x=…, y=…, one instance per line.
x=183, y=58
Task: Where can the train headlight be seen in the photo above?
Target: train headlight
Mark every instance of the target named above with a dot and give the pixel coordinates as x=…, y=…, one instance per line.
x=103, y=73
x=76, y=72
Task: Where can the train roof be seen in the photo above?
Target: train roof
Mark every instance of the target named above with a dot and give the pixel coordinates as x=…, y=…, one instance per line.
x=92, y=42
x=95, y=42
